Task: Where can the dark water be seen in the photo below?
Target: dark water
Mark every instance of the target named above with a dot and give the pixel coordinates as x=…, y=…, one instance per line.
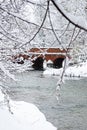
x=70, y=113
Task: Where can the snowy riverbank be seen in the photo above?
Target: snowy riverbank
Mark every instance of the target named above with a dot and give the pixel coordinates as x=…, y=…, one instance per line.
x=79, y=70
x=25, y=116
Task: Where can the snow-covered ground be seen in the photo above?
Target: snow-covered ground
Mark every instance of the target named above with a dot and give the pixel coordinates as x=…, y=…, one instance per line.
x=79, y=70
x=25, y=116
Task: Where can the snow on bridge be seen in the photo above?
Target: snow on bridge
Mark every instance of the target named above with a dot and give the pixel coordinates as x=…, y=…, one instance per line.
x=38, y=55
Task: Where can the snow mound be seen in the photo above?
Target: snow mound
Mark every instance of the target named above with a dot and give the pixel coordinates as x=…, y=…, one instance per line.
x=79, y=70
x=26, y=116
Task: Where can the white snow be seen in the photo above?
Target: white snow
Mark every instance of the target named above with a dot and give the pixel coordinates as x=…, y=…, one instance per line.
x=79, y=70
x=52, y=71
x=26, y=116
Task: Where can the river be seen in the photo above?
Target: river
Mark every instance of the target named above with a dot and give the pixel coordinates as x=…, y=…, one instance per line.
x=69, y=113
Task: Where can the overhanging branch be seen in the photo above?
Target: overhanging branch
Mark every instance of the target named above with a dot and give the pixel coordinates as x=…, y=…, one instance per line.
x=66, y=17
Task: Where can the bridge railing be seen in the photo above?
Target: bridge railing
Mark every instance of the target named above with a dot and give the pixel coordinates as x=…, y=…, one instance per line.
x=46, y=53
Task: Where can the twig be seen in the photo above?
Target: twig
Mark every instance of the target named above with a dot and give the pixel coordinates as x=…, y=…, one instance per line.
x=76, y=35
x=65, y=29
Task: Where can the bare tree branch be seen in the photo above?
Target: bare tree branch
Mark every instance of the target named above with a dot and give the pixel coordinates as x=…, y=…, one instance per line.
x=20, y=27
x=14, y=5
x=65, y=29
x=38, y=29
x=37, y=4
x=54, y=30
x=8, y=35
x=76, y=35
x=64, y=67
x=66, y=17
x=71, y=39
x=22, y=19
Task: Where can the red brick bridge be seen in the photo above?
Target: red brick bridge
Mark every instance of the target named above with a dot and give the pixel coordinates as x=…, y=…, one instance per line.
x=38, y=55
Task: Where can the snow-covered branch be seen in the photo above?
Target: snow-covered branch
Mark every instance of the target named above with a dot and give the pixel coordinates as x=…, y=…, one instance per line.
x=79, y=22
x=38, y=29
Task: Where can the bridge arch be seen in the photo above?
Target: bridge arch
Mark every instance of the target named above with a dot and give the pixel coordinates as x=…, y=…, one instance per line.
x=38, y=63
x=58, y=62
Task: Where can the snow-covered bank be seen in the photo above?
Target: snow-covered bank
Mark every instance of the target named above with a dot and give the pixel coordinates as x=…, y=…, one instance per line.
x=15, y=67
x=25, y=116
x=79, y=70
